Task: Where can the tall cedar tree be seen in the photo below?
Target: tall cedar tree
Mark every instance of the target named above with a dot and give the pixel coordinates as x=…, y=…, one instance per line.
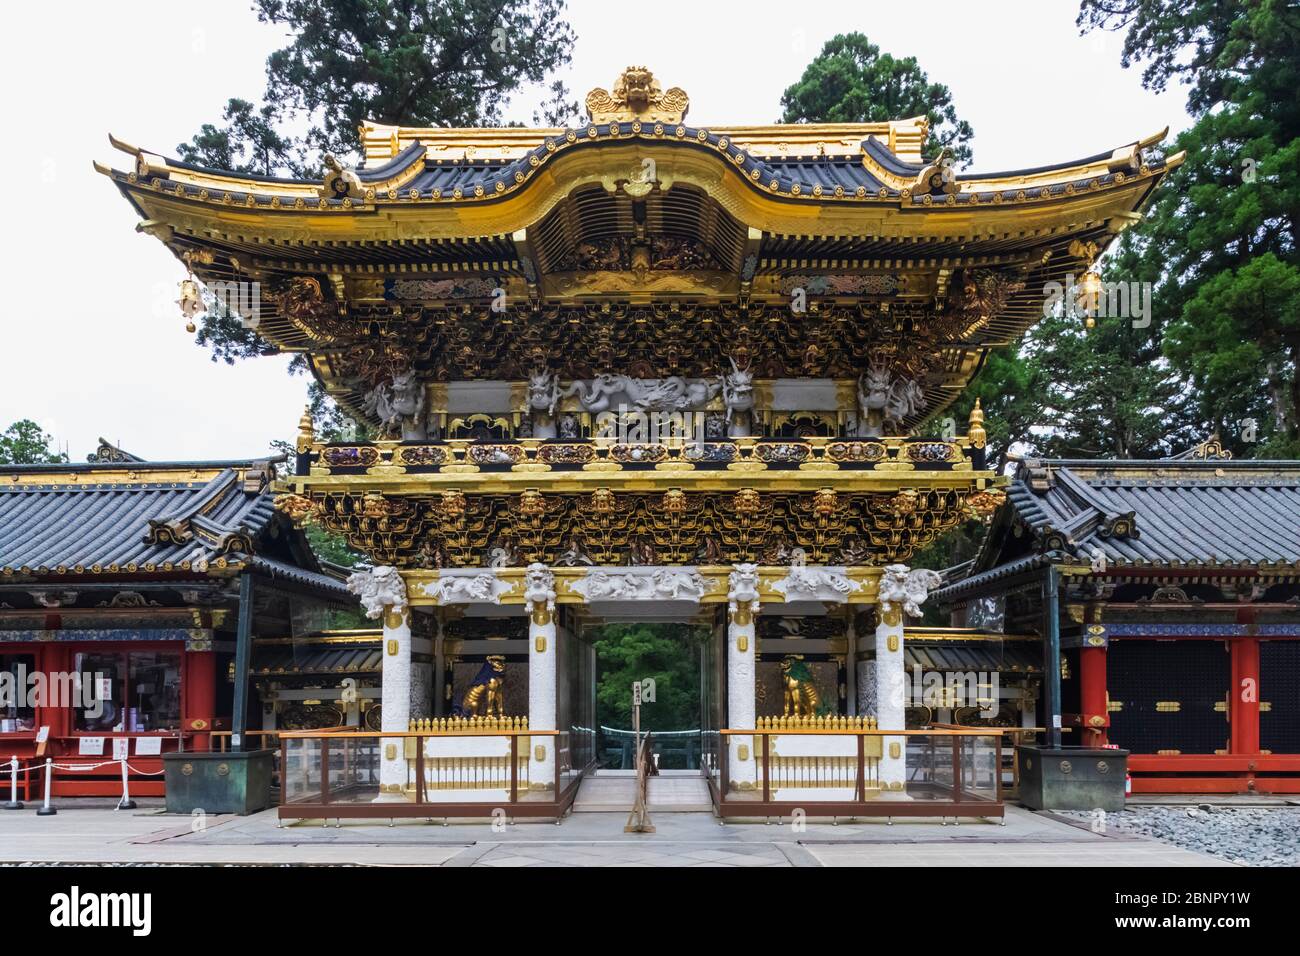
x=404, y=62
x=668, y=653
x=25, y=443
x=851, y=81
x=1220, y=237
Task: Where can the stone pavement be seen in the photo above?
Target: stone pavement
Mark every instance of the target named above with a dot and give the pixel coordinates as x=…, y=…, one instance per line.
x=92, y=832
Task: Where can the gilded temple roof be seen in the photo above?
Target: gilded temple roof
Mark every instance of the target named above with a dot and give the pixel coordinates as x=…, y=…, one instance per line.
x=859, y=172
x=642, y=238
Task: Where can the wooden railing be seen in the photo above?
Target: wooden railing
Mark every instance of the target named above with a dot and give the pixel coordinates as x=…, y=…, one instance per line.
x=837, y=772
x=258, y=739
x=1010, y=763
x=461, y=773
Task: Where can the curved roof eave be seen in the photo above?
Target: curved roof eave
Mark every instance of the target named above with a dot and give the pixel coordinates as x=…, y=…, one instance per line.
x=778, y=186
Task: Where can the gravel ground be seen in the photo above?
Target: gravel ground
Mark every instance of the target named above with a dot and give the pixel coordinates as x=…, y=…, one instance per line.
x=1251, y=836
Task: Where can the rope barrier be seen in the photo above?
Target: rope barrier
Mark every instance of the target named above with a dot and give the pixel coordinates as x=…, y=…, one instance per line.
x=14, y=803
x=46, y=810
x=38, y=767
x=126, y=803
x=85, y=766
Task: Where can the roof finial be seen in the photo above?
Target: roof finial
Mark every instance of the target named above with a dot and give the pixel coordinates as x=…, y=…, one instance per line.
x=975, y=432
x=340, y=182
x=306, y=432
x=637, y=96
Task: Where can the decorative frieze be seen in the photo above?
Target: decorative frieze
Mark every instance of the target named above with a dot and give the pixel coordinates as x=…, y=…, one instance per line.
x=641, y=584
x=468, y=587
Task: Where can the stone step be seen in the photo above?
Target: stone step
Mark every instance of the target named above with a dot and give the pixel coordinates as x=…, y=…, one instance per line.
x=603, y=794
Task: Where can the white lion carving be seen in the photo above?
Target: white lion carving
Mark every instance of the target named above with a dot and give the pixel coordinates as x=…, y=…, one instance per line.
x=602, y=585
x=808, y=580
x=673, y=583
x=379, y=588
x=910, y=588
x=539, y=585
x=468, y=589
x=743, y=587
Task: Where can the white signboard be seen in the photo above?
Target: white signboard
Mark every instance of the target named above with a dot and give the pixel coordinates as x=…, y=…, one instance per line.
x=91, y=746
x=121, y=748
x=43, y=735
x=148, y=746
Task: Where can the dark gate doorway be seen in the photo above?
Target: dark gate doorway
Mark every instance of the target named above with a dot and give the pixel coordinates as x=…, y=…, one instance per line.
x=1168, y=696
x=666, y=659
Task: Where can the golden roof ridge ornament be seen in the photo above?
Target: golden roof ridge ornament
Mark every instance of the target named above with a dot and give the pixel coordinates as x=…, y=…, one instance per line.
x=637, y=96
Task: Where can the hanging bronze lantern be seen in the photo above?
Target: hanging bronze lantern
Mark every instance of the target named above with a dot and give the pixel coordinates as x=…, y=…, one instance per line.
x=190, y=301
x=1088, y=298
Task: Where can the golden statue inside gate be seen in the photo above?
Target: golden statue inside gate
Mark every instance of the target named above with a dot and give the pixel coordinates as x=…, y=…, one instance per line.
x=800, y=690
x=486, y=696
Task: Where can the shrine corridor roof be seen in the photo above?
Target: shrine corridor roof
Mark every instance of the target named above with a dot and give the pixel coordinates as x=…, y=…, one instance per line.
x=137, y=517
x=1163, y=513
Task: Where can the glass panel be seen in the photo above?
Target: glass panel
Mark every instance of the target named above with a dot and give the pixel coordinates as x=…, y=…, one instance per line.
x=15, y=715
x=154, y=691
x=108, y=709
x=300, y=775
x=354, y=769
x=818, y=767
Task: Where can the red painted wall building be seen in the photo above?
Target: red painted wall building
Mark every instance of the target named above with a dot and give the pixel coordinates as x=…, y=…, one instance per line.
x=1178, y=587
x=120, y=584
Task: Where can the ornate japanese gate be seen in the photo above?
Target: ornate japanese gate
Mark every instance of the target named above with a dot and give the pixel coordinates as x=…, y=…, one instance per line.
x=637, y=363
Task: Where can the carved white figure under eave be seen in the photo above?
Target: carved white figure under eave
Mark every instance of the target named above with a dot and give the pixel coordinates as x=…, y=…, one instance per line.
x=886, y=399
x=378, y=588
x=908, y=587
x=742, y=588
x=482, y=587
x=817, y=584
x=539, y=585
x=664, y=584
x=738, y=396
x=502, y=556
x=672, y=394
x=543, y=397
x=401, y=407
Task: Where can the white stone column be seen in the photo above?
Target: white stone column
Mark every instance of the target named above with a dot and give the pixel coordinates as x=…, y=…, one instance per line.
x=742, y=650
x=539, y=598
x=890, y=674
x=902, y=591
x=383, y=595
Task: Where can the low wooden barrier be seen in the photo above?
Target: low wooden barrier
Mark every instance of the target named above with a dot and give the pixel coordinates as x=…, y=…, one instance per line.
x=450, y=774
x=836, y=772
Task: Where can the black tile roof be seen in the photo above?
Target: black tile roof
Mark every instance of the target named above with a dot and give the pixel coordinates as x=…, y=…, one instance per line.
x=319, y=659
x=1160, y=513
x=284, y=571
x=104, y=522
x=973, y=655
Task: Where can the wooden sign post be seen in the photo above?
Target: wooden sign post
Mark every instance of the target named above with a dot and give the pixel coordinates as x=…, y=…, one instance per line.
x=638, y=821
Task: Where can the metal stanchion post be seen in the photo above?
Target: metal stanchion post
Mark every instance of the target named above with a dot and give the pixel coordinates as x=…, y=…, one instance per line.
x=126, y=803
x=14, y=803
x=46, y=810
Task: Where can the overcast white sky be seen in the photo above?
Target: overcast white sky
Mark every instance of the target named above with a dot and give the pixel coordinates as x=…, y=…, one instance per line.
x=91, y=342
